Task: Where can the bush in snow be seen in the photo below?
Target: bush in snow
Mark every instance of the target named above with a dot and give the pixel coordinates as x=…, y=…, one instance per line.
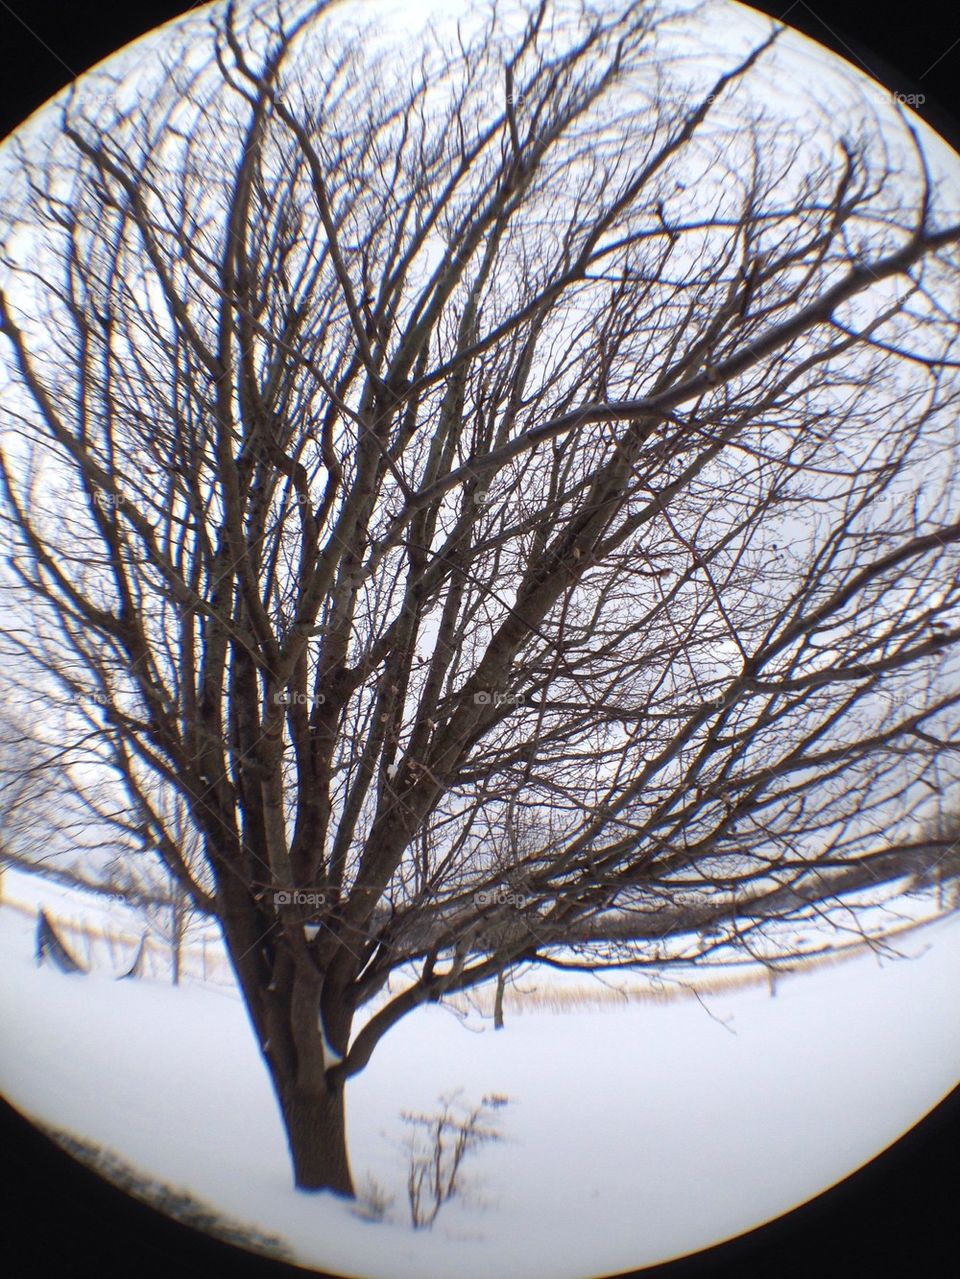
x=438, y=1145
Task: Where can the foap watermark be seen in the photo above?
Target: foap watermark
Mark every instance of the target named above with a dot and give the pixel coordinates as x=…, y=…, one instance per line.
x=299, y=897
x=499, y=897
x=683, y=101
x=89, y=701
x=894, y=98
x=91, y=99
x=492, y=697
x=296, y=697
x=111, y=499
x=530, y=127
x=720, y=701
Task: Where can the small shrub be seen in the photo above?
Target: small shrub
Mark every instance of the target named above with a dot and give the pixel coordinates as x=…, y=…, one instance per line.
x=438, y=1145
x=373, y=1203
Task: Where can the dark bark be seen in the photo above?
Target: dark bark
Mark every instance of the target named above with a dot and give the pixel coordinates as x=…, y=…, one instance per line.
x=315, y=1122
x=311, y=1100
x=378, y=569
x=178, y=927
x=282, y=992
x=498, y=1002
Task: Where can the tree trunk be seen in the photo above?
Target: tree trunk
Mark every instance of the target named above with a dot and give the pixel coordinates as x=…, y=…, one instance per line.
x=315, y=1123
x=283, y=1003
x=498, y=1003
x=178, y=927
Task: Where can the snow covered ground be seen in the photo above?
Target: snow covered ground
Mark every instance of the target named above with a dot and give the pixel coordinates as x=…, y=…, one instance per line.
x=634, y=1133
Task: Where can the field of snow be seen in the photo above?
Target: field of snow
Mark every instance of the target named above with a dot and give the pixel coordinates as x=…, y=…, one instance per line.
x=634, y=1133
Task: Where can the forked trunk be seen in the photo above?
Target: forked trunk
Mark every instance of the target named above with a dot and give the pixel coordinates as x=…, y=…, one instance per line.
x=284, y=1007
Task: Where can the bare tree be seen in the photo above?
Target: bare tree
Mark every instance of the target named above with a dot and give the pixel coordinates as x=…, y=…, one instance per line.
x=404, y=454
x=61, y=827
x=22, y=805
x=437, y=1147
x=147, y=886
